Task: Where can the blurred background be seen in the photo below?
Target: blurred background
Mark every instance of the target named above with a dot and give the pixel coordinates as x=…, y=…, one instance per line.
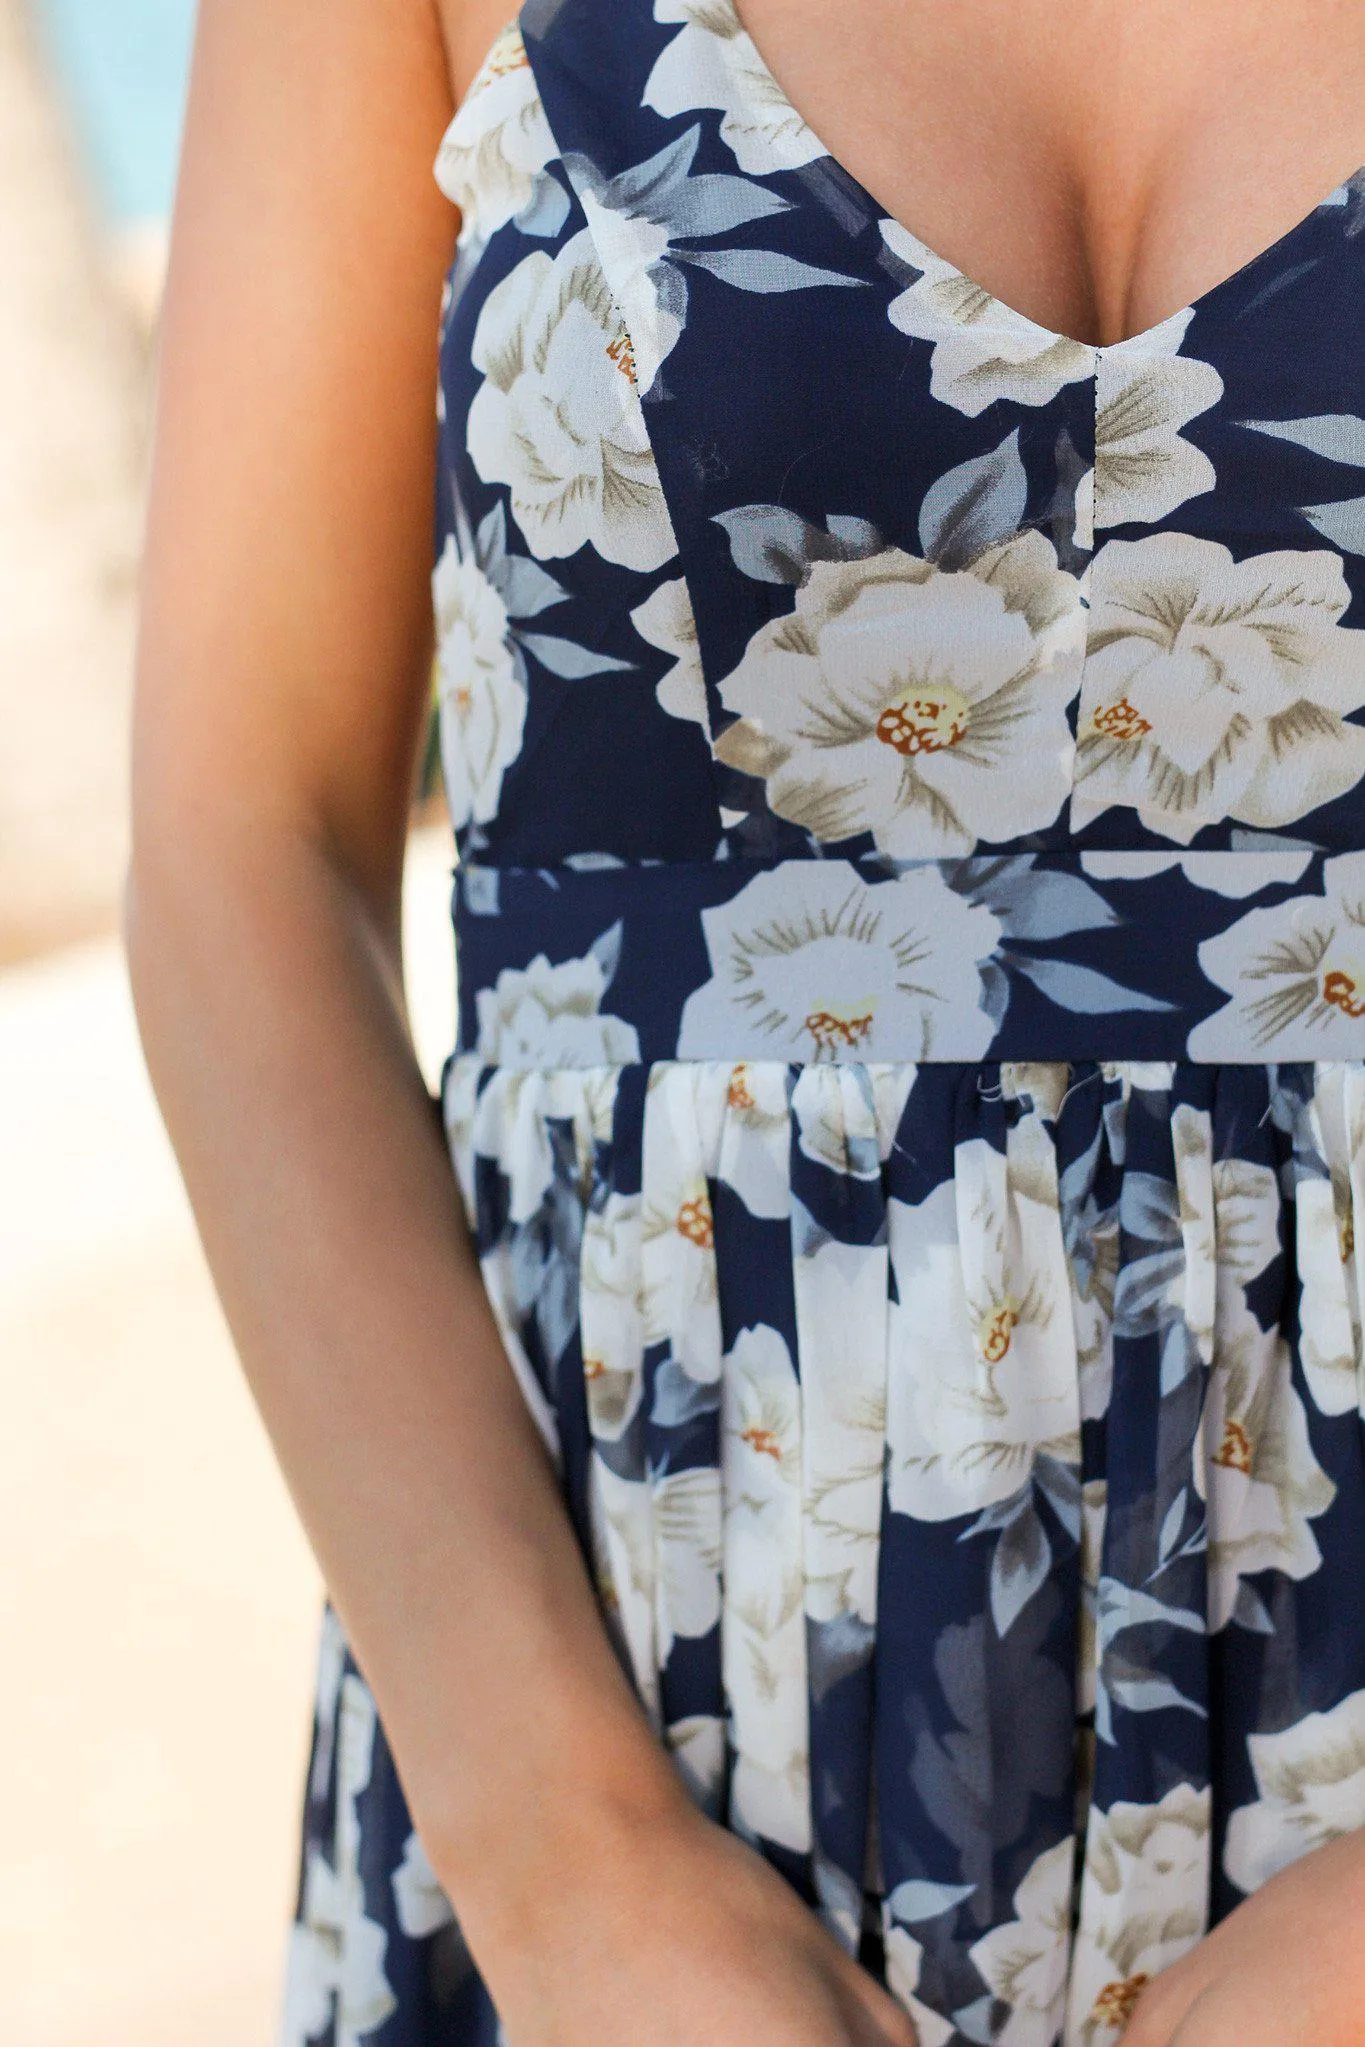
x=158, y=1605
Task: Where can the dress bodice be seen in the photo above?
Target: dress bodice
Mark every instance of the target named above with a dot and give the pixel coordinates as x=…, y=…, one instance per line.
x=976, y=690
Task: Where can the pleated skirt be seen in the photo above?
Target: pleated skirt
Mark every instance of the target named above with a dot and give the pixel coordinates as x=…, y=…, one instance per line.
x=971, y=1466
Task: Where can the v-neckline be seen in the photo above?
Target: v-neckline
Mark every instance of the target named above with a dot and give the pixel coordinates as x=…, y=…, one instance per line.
x=1001, y=310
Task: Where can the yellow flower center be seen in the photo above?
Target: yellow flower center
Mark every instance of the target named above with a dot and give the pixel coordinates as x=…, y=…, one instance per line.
x=1121, y=721
x=925, y=720
x=593, y=1368
x=1117, y=2002
x=764, y=1441
x=840, y=1026
x=693, y=1221
x=997, y=1330
x=1344, y=989
x=1234, y=1452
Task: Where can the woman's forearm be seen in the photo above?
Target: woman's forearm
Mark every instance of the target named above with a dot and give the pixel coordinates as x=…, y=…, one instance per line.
x=268, y=993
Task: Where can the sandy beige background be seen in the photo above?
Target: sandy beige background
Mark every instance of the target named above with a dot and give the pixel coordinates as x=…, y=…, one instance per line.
x=157, y=1602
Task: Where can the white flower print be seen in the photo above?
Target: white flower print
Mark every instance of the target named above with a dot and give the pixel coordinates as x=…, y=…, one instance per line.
x=698, y=1747
x=1144, y=1903
x=613, y=1322
x=558, y=416
x=841, y=1311
x=1237, y=873
x=926, y=706
x=336, y=1960
x=509, y=1120
x=1311, y=1785
x=1329, y=1340
x=982, y=1373
x=687, y=1522
x=482, y=698
x=983, y=349
x=543, y=1016
x=1258, y=1473
x=1229, y=1225
x=904, y=1960
x=1217, y=689
x=421, y=1905
x=666, y=621
x=497, y=142
x=678, y=1231
x=658, y=1542
x=1296, y=975
x=823, y=965
x=1145, y=391
x=1331, y=1263
x=1023, y=1962
x=712, y=62
x=755, y=1157
x=822, y=1121
x=310, y=1974
x=763, y=1634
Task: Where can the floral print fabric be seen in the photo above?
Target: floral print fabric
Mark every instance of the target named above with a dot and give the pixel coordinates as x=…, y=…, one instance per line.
x=910, y=1100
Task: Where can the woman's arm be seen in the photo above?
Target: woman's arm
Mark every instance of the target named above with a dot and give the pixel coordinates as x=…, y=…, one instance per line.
x=282, y=686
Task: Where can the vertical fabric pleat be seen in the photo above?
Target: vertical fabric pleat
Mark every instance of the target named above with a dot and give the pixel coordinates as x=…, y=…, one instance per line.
x=1353, y=1118
x=976, y=1667
x=1324, y=1244
x=763, y=1625
x=1286, y=1485
x=683, y=1115
x=1144, y=1894
x=611, y=1321
x=840, y=1272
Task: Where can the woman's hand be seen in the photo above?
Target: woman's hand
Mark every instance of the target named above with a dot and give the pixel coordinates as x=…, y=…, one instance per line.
x=674, y=1934
x=1286, y=1969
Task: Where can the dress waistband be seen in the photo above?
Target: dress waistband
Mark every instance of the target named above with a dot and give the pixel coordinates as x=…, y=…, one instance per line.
x=1238, y=956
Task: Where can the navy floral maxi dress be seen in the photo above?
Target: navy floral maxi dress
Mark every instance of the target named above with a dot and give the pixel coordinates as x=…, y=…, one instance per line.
x=909, y=777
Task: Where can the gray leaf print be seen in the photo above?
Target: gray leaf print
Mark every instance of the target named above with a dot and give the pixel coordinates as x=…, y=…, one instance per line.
x=975, y=506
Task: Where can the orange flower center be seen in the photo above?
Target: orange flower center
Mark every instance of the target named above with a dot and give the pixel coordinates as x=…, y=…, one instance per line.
x=622, y=354
x=507, y=54
x=737, y=1094
x=1346, y=1237
x=764, y=1441
x=1117, y=2002
x=924, y=721
x=837, y=1030
x=693, y=1221
x=1121, y=721
x=1342, y=991
x=997, y=1331
x=594, y=1368
x=1234, y=1452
